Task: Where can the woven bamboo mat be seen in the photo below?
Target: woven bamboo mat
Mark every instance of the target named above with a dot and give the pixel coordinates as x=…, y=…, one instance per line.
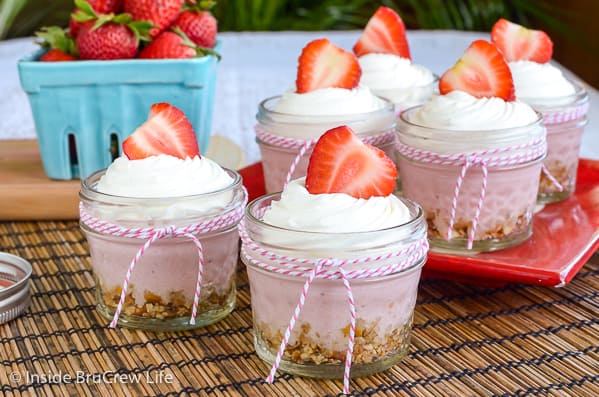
x=467, y=340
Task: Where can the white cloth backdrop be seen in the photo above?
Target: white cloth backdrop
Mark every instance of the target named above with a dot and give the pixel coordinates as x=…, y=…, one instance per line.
x=256, y=66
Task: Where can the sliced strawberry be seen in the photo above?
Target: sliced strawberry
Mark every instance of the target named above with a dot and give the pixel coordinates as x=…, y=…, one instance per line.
x=384, y=33
x=481, y=72
x=322, y=64
x=167, y=131
x=342, y=163
x=518, y=43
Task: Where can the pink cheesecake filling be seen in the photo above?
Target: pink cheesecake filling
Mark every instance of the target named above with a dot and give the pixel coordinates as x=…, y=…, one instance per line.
x=382, y=310
x=167, y=273
x=507, y=208
x=563, y=146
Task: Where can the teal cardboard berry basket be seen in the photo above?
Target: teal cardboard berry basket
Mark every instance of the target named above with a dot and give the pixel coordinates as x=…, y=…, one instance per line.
x=83, y=110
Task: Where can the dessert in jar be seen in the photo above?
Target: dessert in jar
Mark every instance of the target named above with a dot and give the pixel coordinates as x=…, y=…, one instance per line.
x=161, y=223
x=352, y=251
x=387, y=69
x=472, y=156
x=562, y=102
x=326, y=95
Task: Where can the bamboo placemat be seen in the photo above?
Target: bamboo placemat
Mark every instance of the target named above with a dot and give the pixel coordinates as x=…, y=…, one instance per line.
x=467, y=340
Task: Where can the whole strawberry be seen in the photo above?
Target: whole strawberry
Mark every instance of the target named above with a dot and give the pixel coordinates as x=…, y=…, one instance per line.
x=56, y=55
x=99, y=6
x=168, y=45
x=161, y=13
x=174, y=44
x=106, y=6
x=200, y=26
x=106, y=36
x=108, y=41
x=61, y=45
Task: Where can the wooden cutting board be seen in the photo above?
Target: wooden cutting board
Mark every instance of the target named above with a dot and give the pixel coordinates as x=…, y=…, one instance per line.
x=26, y=193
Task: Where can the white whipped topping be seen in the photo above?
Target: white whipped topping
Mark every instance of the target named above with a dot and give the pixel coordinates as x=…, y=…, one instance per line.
x=163, y=176
x=174, y=191
x=541, y=83
x=329, y=102
x=311, y=114
x=389, y=71
x=397, y=79
x=300, y=210
x=458, y=122
x=459, y=110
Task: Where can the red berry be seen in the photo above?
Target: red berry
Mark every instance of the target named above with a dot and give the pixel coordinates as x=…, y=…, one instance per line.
x=323, y=64
x=106, y=6
x=161, y=13
x=342, y=163
x=56, y=55
x=167, y=45
x=167, y=131
x=201, y=27
x=74, y=27
x=518, y=43
x=481, y=72
x=109, y=41
x=384, y=33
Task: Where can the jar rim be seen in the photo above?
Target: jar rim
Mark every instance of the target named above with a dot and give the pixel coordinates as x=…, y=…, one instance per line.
x=88, y=191
x=403, y=118
x=264, y=109
x=419, y=217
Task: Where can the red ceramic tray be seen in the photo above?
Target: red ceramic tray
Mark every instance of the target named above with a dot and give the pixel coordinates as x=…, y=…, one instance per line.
x=566, y=235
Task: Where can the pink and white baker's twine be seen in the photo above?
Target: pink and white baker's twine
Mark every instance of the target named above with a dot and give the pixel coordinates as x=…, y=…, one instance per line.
x=498, y=157
x=305, y=145
x=153, y=234
x=328, y=269
x=565, y=116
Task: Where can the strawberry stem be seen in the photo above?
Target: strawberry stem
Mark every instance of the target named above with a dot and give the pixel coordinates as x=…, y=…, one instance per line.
x=58, y=38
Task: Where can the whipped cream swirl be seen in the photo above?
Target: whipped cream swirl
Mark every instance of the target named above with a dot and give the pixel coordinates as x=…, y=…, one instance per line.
x=459, y=110
x=397, y=79
x=389, y=71
x=163, y=176
x=458, y=122
x=300, y=210
x=541, y=83
x=163, y=190
x=329, y=102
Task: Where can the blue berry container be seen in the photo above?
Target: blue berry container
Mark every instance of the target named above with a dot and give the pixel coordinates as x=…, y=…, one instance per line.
x=83, y=110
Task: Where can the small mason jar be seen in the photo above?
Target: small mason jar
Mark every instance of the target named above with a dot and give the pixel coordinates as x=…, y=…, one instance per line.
x=384, y=304
x=488, y=179
x=375, y=127
x=162, y=287
x=565, y=118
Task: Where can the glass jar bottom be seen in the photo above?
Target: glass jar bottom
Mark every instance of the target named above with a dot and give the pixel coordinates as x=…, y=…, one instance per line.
x=553, y=197
x=459, y=245
x=210, y=315
x=334, y=370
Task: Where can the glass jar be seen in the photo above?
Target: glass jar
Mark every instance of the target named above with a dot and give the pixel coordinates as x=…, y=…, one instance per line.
x=374, y=127
x=565, y=118
x=384, y=303
x=432, y=162
x=162, y=287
